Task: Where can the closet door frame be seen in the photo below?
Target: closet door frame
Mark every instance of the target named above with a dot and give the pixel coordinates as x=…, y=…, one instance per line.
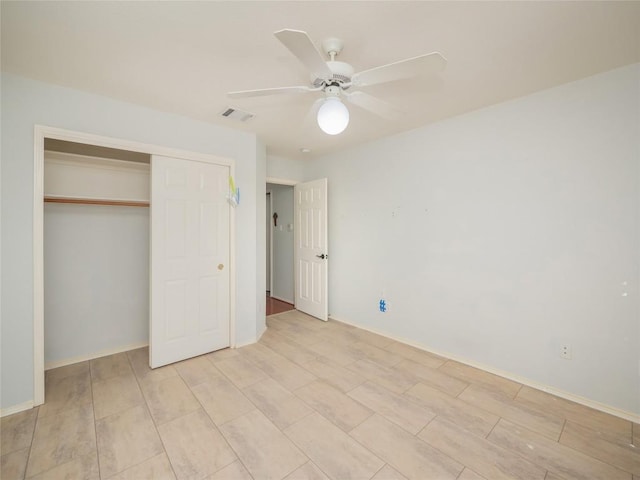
x=40, y=133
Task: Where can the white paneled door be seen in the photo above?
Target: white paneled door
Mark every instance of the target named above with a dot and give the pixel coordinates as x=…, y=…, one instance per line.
x=311, y=255
x=189, y=259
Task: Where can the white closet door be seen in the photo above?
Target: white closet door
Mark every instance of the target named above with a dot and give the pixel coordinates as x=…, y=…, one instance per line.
x=189, y=259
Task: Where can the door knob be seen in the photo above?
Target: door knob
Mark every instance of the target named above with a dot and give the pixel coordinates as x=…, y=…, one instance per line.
x=323, y=256
x=220, y=266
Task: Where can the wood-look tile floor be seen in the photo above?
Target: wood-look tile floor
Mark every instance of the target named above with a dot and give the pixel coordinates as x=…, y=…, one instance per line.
x=311, y=400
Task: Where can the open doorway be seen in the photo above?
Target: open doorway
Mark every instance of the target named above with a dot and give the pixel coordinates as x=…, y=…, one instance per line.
x=280, y=277
x=269, y=253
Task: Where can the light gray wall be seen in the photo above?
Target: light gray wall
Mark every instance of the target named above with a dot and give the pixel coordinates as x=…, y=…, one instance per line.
x=285, y=169
x=498, y=235
x=25, y=103
x=283, y=285
x=259, y=200
x=96, y=279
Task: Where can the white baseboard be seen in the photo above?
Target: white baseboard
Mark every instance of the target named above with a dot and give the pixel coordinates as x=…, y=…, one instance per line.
x=21, y=407
x=281, y=313
x=256, y=340
x=244, y=344
x=259, y=334
x=633, y=417
x=94, y=355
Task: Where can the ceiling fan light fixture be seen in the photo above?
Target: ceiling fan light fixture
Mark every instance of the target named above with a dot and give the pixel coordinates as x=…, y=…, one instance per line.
x=333, y=116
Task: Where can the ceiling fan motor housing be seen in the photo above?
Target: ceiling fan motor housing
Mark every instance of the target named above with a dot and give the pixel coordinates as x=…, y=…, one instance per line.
x=342, y=73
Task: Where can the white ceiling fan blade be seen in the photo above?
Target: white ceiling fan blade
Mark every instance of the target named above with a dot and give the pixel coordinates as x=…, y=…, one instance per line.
x=374, y=105
x=270, y=91
x=299, y=43
x=411, y=67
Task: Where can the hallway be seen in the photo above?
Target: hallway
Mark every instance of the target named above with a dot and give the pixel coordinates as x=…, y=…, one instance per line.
x=277, y=306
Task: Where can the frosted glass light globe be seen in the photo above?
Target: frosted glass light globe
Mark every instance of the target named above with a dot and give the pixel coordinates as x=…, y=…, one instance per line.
x=333, y=116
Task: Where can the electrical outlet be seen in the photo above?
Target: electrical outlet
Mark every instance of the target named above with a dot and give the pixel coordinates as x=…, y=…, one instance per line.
x=565, y=351
x=382, y=305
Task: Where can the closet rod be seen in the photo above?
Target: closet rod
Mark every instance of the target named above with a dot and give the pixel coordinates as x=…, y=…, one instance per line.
x=94, y=201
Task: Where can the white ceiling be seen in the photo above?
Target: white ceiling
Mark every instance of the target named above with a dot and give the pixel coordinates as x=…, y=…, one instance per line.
x=182, y=57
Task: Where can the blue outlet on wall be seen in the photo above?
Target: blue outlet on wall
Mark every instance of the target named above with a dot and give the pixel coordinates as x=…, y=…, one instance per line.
x=382, y=305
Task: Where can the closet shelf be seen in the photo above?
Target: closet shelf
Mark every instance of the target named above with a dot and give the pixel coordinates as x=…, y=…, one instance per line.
x=96, y=201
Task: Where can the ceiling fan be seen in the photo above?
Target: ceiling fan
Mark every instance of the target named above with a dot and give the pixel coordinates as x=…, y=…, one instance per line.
x=338, y=80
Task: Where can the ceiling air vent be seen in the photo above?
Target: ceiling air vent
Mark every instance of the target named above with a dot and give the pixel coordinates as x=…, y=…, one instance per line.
x=237, y=114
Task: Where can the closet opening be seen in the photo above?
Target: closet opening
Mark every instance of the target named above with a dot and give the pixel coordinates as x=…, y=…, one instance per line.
x=96, y=251
x=133, y=244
